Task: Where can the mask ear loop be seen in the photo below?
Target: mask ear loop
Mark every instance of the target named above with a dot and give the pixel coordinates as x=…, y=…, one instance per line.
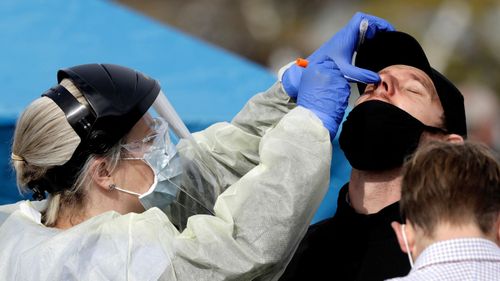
x=403, y=232
x=114, y=187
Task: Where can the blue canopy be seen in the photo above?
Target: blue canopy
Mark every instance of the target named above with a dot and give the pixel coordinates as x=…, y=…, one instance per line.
x=203, y=82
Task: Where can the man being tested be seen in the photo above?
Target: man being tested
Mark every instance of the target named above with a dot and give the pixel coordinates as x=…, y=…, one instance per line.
x=410, y=105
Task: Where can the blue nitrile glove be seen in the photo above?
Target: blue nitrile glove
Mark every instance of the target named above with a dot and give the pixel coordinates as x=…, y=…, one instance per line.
x=341, y=48
x=324, y=90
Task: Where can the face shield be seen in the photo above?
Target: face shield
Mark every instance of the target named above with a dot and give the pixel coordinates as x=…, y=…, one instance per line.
x=179, y=188
x=118, y=97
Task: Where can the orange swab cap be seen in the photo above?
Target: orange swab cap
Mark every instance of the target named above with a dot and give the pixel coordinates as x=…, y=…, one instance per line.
x=302, y=62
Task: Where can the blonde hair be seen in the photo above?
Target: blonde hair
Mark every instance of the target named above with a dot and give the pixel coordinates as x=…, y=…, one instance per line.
x=43, y=139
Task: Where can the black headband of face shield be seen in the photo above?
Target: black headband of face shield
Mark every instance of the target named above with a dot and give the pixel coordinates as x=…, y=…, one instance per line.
x=117, y=98
x=80, y=117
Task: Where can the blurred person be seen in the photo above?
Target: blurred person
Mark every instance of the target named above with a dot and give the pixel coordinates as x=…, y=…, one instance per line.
x=483, y=114
x=410, y=105
x=450, y=199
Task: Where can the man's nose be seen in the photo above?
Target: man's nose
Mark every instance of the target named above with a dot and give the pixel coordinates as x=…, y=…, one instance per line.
x=386, y=86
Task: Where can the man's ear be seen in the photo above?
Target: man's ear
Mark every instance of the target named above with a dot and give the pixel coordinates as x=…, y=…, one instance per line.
x=101, y=175
x=396, y=226
x=454, y=138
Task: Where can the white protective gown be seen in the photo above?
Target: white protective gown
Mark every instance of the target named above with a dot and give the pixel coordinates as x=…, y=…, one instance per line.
x=225, y=152
x=273, y=193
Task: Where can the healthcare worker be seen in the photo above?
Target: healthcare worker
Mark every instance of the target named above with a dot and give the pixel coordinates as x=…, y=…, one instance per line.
x=122, y=198
x=107, y=165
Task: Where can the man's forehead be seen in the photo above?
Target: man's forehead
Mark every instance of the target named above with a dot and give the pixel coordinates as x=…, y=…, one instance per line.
x=410, y=70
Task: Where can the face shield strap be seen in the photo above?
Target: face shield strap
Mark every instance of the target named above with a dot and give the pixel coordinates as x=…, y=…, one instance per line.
x=80, y=117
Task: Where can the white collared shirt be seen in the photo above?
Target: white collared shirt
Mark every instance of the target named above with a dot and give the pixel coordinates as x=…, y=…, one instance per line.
x=457, y=259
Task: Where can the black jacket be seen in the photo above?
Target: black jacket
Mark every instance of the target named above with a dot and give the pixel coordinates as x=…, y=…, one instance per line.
x=350, y=246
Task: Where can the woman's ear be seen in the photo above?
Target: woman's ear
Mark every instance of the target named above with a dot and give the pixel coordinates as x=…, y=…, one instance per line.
x=101, y=174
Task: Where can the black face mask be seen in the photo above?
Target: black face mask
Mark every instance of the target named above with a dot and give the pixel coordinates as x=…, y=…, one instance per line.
x=378, y=136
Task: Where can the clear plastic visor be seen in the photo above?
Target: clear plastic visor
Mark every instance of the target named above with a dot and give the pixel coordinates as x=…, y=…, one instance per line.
x=189, y=169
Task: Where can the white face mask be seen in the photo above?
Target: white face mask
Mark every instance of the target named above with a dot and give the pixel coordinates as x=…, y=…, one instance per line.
x=405, y=240
x=161, y=156
x=161, y=193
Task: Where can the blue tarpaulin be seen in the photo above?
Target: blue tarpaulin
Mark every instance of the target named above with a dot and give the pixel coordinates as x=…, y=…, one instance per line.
x=203, y=82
